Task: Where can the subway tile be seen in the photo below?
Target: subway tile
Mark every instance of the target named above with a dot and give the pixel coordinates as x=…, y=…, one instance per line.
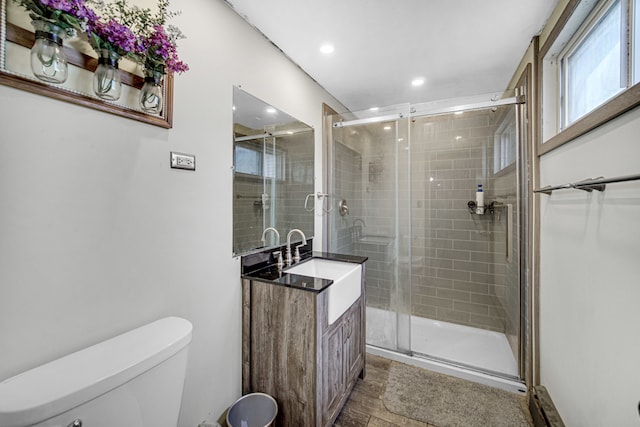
x=481, y=257
x=478, y=288
x=471, y=308
x=453, y=254
x=458, y=196
x=477, y=267
x=440, y=283
x=424, y=290
x=499, y=269
x=441, y=204
x=441, y=165
x=488, y=300
x=441, y=224
x=497, y=290
x=487, y=278
x=438, y=263
x=467, y=164
x=424, y=310
x=453, y=274
x=453, y=295
x=439, y=302
x=487, y=322
x=440, y=243
x=460, y=214
x=453, y=316
x=453, y=234
x=452, y=154
x=469, y=185
x=470, y=245
x=453, y=174
x=469, y=224
x=497, y=312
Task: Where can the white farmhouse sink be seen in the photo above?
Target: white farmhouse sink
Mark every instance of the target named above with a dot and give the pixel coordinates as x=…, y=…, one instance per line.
x=346, y=287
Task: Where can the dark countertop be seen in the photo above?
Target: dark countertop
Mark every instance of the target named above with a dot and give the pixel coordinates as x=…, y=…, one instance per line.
x=271, y=274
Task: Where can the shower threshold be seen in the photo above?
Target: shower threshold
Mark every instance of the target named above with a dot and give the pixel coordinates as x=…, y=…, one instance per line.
x=465, y=352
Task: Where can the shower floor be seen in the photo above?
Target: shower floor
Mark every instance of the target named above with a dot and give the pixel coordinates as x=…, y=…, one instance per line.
x=478, y=348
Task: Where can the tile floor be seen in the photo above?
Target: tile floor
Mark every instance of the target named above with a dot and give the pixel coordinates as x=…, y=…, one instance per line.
x=365, y=407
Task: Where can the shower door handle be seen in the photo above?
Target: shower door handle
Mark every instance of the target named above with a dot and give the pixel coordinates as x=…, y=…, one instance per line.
x=509, y=237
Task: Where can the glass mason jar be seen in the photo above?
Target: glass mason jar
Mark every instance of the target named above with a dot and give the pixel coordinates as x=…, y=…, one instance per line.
x=106, y=79
x=48, y=61
x=151, y=92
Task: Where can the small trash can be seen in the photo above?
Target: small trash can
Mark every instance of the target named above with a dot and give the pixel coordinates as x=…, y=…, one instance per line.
x=253, y=410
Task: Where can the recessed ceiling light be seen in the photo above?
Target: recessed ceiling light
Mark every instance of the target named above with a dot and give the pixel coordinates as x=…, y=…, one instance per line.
x=417, y=82
x=373, y=109
x=327, y=48
x=458, y=138
x=387, y=128
x=271, y=110
x=459, y=112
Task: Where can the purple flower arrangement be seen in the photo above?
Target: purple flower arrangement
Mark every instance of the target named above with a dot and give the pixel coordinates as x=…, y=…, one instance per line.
x=160, y=53
x=76, y=8
x=113, y=36
x=129, y=31
x=70, y=15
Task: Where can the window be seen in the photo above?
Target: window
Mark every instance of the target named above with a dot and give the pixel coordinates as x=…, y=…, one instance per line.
x=504, y=142
x=591, y=66
x=636, y=41
x=248, y=161
x=253, y=159
x=592, y=59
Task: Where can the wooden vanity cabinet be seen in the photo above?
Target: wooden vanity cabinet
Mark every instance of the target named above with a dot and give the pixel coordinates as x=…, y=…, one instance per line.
x=290, y=352
x=343, y=360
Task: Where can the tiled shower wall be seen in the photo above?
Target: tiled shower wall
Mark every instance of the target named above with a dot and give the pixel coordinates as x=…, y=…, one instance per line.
x=287, y=197
x=364, y=175
x=347, y=181
x=462, y=273
x=459, y=267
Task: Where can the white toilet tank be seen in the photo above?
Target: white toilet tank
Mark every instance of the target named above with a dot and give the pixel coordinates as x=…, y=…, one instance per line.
x=132, y=380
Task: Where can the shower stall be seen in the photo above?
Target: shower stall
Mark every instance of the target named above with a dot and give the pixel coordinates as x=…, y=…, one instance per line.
x=444, y=278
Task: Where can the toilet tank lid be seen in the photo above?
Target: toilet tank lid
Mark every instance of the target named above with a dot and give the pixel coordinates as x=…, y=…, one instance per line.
x=55, y=387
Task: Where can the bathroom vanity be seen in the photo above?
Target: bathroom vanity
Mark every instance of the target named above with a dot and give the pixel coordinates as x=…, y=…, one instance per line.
x=304, y=336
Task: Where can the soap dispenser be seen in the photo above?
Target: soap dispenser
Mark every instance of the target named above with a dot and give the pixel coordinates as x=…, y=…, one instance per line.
x=479, y=200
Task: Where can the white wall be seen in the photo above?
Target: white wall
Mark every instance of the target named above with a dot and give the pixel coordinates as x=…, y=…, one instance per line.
x=98, y=235
x=590, y=279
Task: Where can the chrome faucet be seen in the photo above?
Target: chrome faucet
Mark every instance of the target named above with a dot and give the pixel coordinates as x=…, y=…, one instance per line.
x=264, y=235
x=296, y=257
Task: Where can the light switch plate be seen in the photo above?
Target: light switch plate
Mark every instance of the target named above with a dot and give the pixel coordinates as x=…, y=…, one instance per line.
x=183, y=161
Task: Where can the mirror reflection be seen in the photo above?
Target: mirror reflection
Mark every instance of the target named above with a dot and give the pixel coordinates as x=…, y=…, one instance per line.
x=273, y=174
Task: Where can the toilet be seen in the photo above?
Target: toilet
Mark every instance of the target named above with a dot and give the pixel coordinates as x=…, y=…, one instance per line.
x=134, y=380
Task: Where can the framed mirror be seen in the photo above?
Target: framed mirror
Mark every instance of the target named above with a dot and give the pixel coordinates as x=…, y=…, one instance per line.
x=273, y=174
x=17, y=36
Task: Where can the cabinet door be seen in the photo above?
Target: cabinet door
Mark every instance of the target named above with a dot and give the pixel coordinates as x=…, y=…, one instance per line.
x=353, y=344
x=334, y=371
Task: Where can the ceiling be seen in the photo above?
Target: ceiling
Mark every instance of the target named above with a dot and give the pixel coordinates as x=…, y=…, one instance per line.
x=458, y=47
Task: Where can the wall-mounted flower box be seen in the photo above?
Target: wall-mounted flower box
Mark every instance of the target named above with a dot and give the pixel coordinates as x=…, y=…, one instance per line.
x=17, y=37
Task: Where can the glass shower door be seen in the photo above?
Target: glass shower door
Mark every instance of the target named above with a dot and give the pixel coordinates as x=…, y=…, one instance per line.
x=466, y=274
x=443, y=280
x=370, y=174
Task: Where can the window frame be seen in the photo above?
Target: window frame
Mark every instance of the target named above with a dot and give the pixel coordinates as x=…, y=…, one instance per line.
x=576, y=41
x=264, y=150
x=624, y=101
x=508, y=125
